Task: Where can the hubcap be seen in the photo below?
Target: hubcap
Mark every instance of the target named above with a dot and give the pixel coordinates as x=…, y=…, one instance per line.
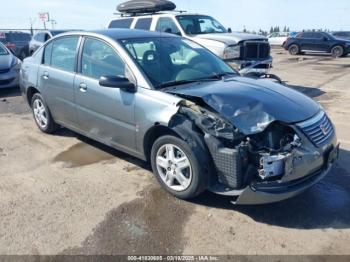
x=337, y=52
x=40, y=113
x=174, y=167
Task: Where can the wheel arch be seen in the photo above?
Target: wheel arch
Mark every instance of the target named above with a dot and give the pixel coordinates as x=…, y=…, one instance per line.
x=156, y=131
x=30, y=93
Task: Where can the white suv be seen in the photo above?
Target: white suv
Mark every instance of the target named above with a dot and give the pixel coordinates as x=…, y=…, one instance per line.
x=248, y=53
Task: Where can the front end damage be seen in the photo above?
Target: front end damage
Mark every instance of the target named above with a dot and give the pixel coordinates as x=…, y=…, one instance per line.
x=266, y=162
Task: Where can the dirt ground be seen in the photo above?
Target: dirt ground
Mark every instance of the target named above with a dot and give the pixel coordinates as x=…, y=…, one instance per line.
x=64, y=194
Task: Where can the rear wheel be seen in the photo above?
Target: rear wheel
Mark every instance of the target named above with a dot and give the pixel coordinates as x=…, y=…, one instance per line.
x=337, y=51
x=42, y=115
x=177, y=167
x=294, y=50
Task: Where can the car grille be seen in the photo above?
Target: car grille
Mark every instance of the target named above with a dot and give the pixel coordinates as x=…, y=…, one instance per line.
x=256, y=50
x=319, y=129
x=4, y=71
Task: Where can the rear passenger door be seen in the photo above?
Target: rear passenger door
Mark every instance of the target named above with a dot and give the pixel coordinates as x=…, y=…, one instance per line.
x=143, y=23
x=106, y=114
x=306, y=41
x=56, y=77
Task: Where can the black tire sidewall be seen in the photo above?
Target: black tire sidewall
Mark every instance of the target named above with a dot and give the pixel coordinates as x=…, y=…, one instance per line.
x=51, y=125
x=292, y=47
x=198, y=174
x=336, y=47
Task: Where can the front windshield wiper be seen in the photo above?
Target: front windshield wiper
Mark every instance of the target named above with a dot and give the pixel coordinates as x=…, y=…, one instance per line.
x=204, y=79
x=175, y=83
x=219, y=76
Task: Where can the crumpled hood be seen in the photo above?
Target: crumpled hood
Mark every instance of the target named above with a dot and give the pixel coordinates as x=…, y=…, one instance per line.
x=239, y=95
x=5, y=61
x=230, y=38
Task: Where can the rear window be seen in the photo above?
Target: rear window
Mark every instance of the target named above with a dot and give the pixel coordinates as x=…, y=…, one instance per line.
x=121, y=23
x=143, y=24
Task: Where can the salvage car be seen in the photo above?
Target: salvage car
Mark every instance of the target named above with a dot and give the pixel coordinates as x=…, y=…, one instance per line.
x=248, y=53
x=17, y=42
x=9, y=68
x=278, y=38
x=169, y=101
x=320, y=42
x=41, y=37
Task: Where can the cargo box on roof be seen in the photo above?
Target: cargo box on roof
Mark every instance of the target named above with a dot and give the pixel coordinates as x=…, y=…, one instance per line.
x=146, y=6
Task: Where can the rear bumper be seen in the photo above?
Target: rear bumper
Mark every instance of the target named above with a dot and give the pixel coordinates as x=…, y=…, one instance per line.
x=256, y=195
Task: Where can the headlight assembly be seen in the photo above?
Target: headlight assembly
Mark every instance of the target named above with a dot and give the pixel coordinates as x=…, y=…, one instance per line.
x=232, y=52
x=252, y=120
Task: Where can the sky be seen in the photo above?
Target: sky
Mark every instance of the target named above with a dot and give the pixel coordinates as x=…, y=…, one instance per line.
x=237, y=14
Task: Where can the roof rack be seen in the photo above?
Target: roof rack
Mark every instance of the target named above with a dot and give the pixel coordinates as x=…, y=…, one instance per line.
x=149, y=13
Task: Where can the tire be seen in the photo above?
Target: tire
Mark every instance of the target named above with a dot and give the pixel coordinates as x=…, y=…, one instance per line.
x=294, y=49
x=196, y=176
x=42, y=115
x=337, y=51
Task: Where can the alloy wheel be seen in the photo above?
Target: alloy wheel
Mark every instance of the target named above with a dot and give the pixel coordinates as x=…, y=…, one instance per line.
x=174, y=167
x=40, y=113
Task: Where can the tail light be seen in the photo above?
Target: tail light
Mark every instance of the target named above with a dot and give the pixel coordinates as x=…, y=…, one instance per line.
x=10, y=45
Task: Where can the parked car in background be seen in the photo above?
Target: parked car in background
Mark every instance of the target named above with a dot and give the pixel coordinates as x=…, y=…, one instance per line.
x=16, y=41
x=167, y=99
x=9, y=68
x=41, y=37
x=342, y=35
x=317, y=42
x=247, y=53
x=278, y=38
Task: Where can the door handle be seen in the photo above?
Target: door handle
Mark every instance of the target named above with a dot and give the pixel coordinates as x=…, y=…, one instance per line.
x=83, y=87
x=46, y=75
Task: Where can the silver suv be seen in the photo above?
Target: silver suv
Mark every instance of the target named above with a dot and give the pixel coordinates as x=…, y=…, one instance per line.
x=247, y=53
x=166, y=99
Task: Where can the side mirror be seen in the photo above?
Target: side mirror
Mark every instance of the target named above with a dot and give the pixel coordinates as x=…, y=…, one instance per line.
x=229, y=30
x=325, y=39
x=117, y=82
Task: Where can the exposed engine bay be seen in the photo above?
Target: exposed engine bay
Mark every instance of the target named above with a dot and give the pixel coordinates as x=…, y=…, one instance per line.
x=242, y=159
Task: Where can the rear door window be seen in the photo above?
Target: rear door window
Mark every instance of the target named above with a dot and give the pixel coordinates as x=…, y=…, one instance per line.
x=143, y=23
x=64, y=52
x=121, y=23
x=167, y=25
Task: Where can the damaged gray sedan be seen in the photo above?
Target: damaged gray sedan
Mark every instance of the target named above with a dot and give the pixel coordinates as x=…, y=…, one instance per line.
x=169, y=101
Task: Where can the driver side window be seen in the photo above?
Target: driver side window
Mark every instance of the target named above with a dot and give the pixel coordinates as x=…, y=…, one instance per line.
x=100, y=59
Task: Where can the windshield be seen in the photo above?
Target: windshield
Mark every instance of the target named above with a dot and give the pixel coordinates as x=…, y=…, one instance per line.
x=167, y=60
x=3, y=50
x=200, y=24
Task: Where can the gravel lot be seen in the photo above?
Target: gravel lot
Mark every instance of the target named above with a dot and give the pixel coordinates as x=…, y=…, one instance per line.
x=65, y=194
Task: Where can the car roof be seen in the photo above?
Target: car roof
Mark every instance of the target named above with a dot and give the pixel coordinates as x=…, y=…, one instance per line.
x=119, y=34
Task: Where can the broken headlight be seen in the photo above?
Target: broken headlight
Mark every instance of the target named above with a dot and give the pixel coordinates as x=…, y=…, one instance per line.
x=232, y=52
x=252, y=121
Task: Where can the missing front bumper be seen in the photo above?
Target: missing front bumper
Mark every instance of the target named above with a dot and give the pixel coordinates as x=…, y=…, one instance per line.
x=257, y=195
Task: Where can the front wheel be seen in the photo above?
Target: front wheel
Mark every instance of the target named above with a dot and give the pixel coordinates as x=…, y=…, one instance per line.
x=42, y=115
x=177, y=167
x=337, y=51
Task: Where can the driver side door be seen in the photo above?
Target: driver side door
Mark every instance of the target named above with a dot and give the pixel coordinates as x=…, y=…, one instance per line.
x=105, y=114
